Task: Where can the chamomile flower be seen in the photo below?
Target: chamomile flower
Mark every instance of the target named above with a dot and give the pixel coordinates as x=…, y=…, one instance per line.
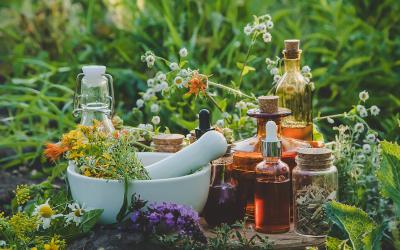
x=179, y=81
x=154, y=108
x=267, y=37
x=248, y=29
x=174, y=66
x=45, y=214
x=359, y=127
x=183, y=52
x=375, y=110
x=363, y=95
x=76, y=213
x=155, y=120
x=139, y=103
x=366, y=148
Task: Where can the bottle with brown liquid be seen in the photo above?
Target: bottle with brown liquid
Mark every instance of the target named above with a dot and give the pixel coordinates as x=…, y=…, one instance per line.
x=294, y=93
x=272, y=186
x=247, y=153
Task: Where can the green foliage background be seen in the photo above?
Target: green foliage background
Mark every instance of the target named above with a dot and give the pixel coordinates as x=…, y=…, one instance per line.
x=350, y=45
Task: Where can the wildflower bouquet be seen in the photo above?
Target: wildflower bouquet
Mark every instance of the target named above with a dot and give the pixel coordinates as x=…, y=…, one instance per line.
x=98, y=154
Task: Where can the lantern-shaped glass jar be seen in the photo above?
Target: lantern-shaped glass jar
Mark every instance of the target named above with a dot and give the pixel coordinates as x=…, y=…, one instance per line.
x=315, y=182
x=94, y=97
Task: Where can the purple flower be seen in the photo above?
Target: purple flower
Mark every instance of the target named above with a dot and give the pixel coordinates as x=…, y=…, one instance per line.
x=154, y=218
x=135, y=216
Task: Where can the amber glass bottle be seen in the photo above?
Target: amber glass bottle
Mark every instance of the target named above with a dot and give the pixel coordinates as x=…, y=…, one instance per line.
x=295, y=94
x=272, y=186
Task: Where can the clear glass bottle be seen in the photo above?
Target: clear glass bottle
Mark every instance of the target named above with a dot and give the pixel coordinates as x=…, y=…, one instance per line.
x=272, y=186
x=315, y=182
x=94, y=97
x=295, y=94
x=223, y=204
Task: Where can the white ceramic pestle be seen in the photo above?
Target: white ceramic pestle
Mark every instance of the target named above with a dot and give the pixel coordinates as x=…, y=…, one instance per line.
x=210, y=146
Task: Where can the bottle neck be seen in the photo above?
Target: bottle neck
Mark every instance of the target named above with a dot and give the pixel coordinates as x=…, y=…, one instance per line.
x=292, y=65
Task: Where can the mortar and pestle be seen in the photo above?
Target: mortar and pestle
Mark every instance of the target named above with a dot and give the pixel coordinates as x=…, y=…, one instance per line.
x=172, y=179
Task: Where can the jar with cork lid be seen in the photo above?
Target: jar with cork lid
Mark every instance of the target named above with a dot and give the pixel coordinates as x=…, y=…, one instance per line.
x=315, y=182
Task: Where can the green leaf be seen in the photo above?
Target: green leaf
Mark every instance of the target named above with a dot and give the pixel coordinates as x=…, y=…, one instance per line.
x=122, y=212
x=90, y=219
x=389, y=173
x=246, y=68
x=317, y=135
x=354, y=62
x=335, y=244
x=372, y=241
x=355, y=222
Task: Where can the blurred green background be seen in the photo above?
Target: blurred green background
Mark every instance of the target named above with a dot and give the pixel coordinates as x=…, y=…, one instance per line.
x=350, y=45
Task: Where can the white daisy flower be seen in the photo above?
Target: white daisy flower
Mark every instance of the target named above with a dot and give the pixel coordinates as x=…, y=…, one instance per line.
x=363, y=113
x=359, y=127
x=183, y=52
x=174, y=66
x=363, y=96
x=45, y=214
x=76, y=214
x=154, y=108
x=179, y=81
x=150, y=59
x=220, y=123
x=274, y=71
x=375, y=110
x=367, y=148
x=139, y=103
x=240, y=105
x=370, y=138
x=161, y=77
x=270, y=24
x=306, y=69
x=149, y=127
x=267, y=37
x=248, y=29
x=155, y=120
x=150, y=82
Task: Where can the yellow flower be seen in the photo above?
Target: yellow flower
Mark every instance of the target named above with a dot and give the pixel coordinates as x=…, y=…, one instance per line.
x=22, y=225
x=22, y=194
x=106, y=156
x=54, y=244
x=34, y=248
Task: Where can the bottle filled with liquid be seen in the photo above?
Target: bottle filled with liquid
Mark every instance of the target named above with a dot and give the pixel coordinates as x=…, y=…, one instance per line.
x=295, y=93
x=272, y=186
x=94, y=97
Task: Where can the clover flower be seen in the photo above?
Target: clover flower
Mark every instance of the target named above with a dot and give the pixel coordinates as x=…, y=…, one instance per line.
x=267, y=37
x=183, y=52
x=370, y=138
x=45, y=214
x=360, y=108
x=375, y=110
x=220, y=123
x=241, y=105
x=262, y=27
x=139, y=103
x=3, y=243
x=363, y=95
x=361, y=157
x=149, y=127
x=154, y=108
x=270, y=24
x=274, y=71
x=76, y=213
x=306, y=69
x=155, y=120
x=363, y=113
x=359, y=127
x=150, y=82
x=160, y=76
x=277, y=78
x=174, y=66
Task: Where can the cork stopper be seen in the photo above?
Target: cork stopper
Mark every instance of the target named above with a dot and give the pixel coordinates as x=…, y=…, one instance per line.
x=292, y=49
x=314, y=157
x=168, y=139
x=268, y=104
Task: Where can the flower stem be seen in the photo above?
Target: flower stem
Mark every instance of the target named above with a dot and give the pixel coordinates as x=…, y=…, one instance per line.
x=246, y=60
x=229, y=89
x=217, y=105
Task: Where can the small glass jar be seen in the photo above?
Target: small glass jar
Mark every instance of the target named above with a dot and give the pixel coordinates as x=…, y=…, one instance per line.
x=315, y=182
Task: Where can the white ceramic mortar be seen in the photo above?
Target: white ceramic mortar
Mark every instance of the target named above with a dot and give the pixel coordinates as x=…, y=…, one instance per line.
x=191, y=190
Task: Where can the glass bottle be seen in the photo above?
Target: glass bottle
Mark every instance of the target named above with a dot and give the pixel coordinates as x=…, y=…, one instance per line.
x=94, y=97
x=222, y=205
x=295, y=94
x=247, y=154
x=272, y=186
x=315, y=182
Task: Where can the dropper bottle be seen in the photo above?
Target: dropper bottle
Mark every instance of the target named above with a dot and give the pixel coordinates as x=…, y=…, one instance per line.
x=272, y=186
